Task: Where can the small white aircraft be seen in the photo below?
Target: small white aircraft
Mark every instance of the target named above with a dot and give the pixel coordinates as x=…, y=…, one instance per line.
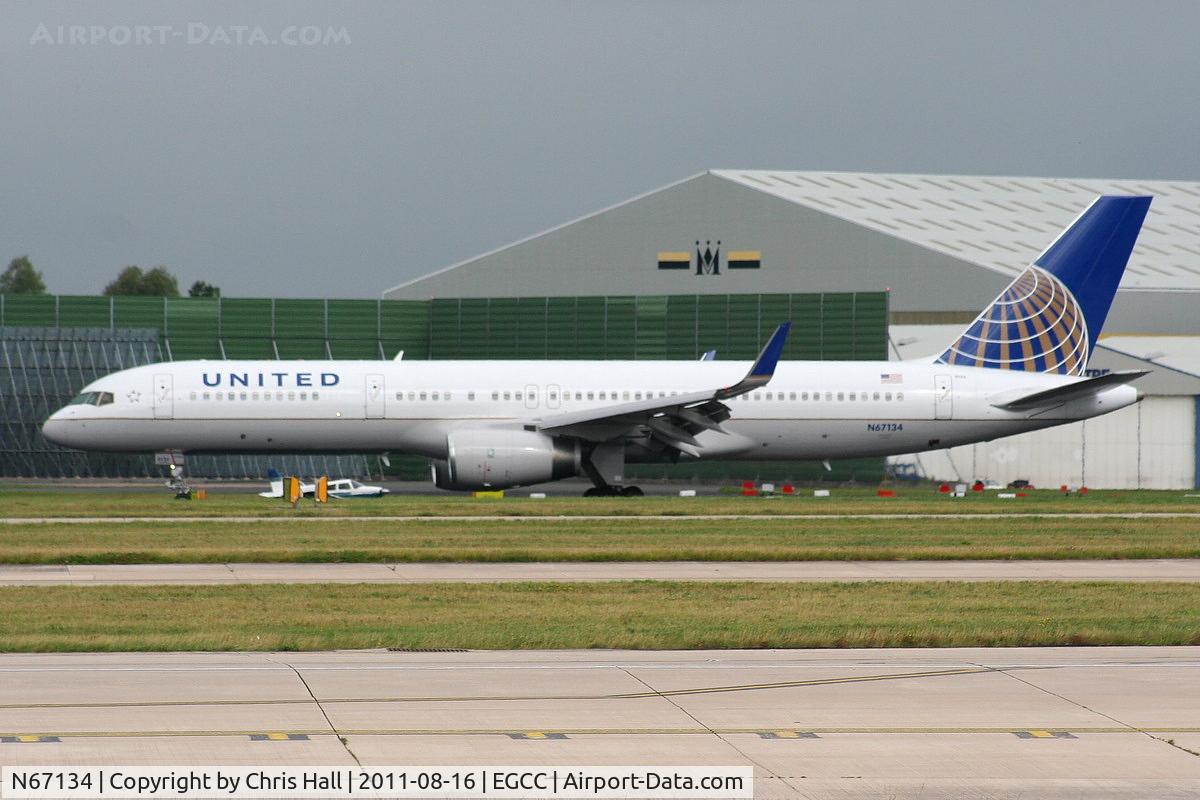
x=306, y=489
x=1021, y=366
x=345, y=488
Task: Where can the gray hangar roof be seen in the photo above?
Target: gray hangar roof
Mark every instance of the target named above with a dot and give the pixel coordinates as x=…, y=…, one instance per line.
x=938, y=243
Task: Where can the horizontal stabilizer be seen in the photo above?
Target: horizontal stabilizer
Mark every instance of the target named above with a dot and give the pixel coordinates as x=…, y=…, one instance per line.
x=1021, y=400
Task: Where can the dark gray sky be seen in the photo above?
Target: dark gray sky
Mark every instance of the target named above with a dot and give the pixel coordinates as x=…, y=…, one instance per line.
x=441, y=130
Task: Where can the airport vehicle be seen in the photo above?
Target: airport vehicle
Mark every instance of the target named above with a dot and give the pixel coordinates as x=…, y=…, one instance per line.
x=1020, y=366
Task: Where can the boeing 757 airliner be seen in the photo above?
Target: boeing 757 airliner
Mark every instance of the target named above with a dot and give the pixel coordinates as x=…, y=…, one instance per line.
x=1020, y=366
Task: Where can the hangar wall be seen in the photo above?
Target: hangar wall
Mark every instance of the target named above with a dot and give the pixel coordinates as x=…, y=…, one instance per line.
x=1149, y=445
x=801, y=249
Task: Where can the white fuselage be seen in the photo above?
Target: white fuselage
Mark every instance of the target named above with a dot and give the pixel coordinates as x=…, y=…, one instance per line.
x=809, y=410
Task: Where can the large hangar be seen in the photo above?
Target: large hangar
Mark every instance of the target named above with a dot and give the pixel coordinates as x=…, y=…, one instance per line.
x=942, y=246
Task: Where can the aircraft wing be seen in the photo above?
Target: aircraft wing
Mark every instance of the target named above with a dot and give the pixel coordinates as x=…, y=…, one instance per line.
x=674, y=420
x=1022, y=400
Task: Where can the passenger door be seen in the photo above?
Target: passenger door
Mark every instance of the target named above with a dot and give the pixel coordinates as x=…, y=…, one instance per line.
x=374, y=396
x=164, y=396
x=943, y=397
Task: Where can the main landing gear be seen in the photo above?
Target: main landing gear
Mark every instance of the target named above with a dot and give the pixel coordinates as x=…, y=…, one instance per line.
x=603, y=488
x=608, y=490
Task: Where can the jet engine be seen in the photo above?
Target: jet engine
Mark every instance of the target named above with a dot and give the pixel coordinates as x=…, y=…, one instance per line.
x=498, y=459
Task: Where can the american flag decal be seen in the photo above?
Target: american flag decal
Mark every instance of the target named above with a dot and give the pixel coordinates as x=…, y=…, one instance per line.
x=891, y=377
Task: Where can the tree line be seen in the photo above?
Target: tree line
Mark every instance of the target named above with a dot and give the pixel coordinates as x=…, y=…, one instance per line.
x=22, y=278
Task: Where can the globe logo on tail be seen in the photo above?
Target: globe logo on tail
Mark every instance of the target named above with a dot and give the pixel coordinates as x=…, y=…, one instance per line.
x=1036, y=325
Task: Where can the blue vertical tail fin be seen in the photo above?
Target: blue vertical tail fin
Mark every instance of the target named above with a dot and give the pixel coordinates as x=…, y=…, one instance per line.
x=1049, y=318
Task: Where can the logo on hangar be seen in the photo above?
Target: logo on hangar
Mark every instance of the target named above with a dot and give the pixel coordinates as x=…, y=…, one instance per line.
x=707, y=259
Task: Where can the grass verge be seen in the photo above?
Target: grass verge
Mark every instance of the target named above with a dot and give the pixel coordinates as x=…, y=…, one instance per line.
x=599, y=540
x=638, y=615
x=57, y=501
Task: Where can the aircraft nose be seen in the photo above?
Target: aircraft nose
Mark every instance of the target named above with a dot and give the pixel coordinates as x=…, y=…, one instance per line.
x=56, y=430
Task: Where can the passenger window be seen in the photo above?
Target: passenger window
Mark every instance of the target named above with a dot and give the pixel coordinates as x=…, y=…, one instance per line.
x=217, y=395
x=446, y=395
x=875, y=396
x=399, y=395
x=591, y=396
x=291, y=395
x=791, y=395
x=207, y=395
x=887, y=396
x=604, y=395
x=304, y=395
x=243, y=396
x=516, y=395
x=192, y=396
x=422, y=395
x=508, y=395
x=899, y=397
x=470, y=395
x=841, y=396
x=852, y=397
x=758, y=395
x=637, y=395
x=579, y=395
x=254, y=396
x=435, y=396
x=316, y=396
x=495, y=395
x=770, y=396
x=279, y=397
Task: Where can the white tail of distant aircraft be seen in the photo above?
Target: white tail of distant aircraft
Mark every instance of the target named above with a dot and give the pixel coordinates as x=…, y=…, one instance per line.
x=276, y=489
x=1020, y=366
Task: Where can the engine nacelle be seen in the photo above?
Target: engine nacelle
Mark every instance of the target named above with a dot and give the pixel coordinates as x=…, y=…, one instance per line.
x=498, y=459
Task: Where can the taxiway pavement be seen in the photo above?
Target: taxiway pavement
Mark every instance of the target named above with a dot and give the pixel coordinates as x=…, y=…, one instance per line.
x=997, y=723
x=1140, y=570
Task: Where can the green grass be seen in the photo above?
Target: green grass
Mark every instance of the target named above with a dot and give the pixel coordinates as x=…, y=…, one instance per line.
x=55, y=501
x=597, y=540
x=639, y=615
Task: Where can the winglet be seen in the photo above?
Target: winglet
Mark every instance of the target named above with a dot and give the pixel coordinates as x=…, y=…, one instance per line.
x=769, y=357
x=763, y=368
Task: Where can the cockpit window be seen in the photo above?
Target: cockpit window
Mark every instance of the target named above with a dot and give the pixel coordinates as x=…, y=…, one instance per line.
x=91, y=399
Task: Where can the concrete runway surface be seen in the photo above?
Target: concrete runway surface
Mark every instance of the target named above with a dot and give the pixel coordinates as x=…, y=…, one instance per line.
x=996, y=723
x=1180, y=570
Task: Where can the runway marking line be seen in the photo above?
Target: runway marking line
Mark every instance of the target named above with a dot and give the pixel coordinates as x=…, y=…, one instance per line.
x=1038, y=733
x=787, y=735
x=301, y=735
x=536, y=735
